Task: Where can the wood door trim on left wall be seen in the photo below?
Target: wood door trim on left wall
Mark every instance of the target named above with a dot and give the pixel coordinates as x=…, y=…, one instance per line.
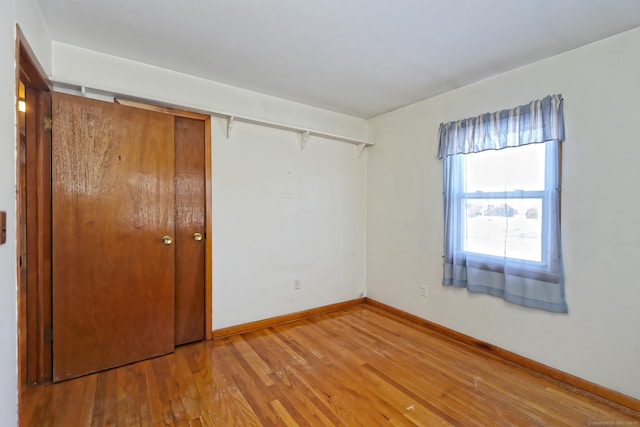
x=37, y=225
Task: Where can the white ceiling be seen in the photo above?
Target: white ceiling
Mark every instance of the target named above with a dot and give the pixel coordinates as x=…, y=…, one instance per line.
x=359, y=57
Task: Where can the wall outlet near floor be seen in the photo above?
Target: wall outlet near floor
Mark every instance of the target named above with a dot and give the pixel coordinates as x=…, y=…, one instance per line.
x=423, y=291
x=297, y=284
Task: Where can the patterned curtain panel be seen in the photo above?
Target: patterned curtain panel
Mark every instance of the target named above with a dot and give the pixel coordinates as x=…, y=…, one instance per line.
x=502, y=218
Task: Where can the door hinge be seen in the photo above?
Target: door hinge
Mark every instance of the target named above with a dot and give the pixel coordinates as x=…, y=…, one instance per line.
x=48, y=123
x=48, y=335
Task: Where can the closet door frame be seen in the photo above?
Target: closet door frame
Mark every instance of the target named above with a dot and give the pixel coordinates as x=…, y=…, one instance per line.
x=39, y=304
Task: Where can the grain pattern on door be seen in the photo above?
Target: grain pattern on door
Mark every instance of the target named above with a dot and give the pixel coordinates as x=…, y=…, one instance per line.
x=112, y=203
x=190, y=227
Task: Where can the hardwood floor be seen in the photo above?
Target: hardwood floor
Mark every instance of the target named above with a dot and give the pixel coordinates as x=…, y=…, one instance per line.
x=359, y=366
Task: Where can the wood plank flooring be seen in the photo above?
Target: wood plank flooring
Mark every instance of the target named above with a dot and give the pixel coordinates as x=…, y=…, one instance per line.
x=355, y=367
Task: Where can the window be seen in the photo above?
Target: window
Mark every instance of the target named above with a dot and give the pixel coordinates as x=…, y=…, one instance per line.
x=504, y=207
x=502, y=218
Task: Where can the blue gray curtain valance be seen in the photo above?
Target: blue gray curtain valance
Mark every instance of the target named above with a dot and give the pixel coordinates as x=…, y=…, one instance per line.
x=539, y=121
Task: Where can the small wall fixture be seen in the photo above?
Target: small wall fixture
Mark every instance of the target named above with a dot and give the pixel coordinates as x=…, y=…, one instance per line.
x=305, y=138
x=3, y=228
x=22, y=105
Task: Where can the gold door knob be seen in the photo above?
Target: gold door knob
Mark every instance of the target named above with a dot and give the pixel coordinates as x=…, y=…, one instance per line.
x=197, y=237
x=167, y=240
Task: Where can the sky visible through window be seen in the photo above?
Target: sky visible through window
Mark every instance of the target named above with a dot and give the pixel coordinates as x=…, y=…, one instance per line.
x=510, y=171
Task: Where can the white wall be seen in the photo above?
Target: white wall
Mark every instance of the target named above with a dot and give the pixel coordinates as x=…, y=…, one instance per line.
x=8, y=327
x=279, y=214
x=27, y=14
x=35, y=29
x=598, y=340
x=72, y=64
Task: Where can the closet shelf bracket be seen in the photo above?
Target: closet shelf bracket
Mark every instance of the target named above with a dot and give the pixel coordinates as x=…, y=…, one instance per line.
x=361, y=148
x=230, y=122
x=305, y=138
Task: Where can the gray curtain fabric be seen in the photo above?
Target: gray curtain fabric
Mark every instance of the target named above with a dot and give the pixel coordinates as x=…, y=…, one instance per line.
x=535, y=284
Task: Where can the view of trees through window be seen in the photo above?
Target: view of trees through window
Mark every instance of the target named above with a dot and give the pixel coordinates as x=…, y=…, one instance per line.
x=489, y=221
x=503, y=202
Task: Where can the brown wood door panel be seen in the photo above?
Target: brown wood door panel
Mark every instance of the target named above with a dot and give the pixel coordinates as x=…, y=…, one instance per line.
x=190, y=219
x=112, y=201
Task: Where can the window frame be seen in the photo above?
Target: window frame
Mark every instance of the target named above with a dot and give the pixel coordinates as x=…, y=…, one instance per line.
x=542, y=270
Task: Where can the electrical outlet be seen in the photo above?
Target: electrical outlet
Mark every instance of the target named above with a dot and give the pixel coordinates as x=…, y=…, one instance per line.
x=297, y=284
x=423, y=290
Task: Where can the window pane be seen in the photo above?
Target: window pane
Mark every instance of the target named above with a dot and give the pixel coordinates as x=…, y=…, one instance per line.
x=488, y=221
x=509, y=169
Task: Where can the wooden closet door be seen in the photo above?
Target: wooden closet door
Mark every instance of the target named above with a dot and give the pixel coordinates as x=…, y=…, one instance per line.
x=112, y=203
x=190, y=230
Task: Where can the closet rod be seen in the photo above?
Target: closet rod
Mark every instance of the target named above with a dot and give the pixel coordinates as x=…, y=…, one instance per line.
x=230, y=117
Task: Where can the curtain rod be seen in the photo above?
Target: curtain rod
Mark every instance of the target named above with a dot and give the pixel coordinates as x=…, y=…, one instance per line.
x=230, y=117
